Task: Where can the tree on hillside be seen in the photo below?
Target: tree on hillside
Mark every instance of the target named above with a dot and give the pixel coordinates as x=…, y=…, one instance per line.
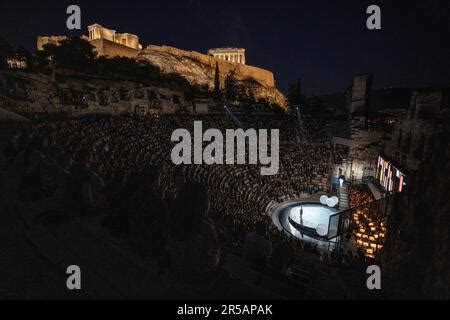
x=125, y=67
x=6, y=51
x=231, y=86
x=295, y=94
x=244, y=95
x=217, y=90
x=28, y=57
x=74, y=54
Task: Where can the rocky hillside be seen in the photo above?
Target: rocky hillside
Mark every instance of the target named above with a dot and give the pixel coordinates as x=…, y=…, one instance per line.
x=200, y=69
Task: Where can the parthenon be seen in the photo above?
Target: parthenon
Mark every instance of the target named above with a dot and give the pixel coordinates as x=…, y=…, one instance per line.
x=229, y=54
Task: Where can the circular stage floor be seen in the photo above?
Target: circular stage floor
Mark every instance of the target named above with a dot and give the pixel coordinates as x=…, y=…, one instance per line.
x=315, y=219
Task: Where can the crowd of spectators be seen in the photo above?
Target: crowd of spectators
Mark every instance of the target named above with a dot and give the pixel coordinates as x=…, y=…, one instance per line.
x=183, y=216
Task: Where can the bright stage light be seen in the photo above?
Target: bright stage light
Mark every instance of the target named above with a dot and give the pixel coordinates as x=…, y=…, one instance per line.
x=330, y=202
x=336, y=200
x=321, y=230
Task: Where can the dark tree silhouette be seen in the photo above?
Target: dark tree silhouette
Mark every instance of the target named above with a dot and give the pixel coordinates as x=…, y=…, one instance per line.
x=217, y=90
x=295, y=94
x=5, y=51
x=28, y=57
x=231, y=87
x=74, y=54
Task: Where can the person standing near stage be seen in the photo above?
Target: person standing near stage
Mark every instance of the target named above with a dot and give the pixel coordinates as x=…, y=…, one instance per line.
x=301, y=215
x=301, y=220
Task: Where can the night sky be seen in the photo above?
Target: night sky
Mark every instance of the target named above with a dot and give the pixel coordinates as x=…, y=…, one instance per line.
x=323, y=42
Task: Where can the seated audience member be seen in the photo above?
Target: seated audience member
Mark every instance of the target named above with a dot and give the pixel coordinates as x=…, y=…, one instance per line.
x=61, y=176
x=120, y=194
x=324, y=258
x=281, y=259
x=169, y=197
x=150, y=216
x=97, y=181
x=257, y=248
x=195, y=244
x=32, y=184
x=10, y=150
x=79, y=186
x=115, y=188
x=56, y=208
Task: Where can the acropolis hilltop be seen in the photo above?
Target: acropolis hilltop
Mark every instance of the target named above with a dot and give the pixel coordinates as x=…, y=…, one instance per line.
x=196, y=67
x=109, y=42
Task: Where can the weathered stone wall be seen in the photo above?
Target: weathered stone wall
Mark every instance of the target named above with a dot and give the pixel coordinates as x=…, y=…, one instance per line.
x=128, y=39
x=358, y=95
x=103, y=47
x=412, y=139
x=41, y=41
x=111, y=49
x=30, y=94
x=416, y=258
x=364, y=148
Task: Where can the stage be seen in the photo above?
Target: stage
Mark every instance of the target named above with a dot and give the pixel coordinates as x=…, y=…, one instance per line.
x=311, y=226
